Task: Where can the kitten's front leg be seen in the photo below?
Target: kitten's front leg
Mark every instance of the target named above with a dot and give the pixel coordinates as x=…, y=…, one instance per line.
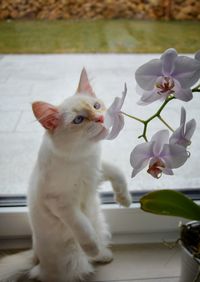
x=116, y=177
x=82, y=228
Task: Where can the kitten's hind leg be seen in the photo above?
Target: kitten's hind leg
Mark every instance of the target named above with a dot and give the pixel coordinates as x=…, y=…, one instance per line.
x=103, y=234
x=70, y=265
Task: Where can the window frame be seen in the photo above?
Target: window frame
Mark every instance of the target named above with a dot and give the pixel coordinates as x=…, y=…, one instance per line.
x=127, y=225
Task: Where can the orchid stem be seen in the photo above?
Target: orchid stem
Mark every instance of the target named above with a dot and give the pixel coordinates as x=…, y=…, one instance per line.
x=144, y=132
x=196, y=89
x=157, y=114
x=165, y=123
x=146, y=122
x=138, y=119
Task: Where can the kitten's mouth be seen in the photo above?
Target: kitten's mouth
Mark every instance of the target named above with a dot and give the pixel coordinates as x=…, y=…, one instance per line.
x=102, y=135
x=97, y=132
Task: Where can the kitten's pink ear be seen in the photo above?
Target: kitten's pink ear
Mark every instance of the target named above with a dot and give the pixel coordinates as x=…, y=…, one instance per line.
x=84, y=84
x=46, y=114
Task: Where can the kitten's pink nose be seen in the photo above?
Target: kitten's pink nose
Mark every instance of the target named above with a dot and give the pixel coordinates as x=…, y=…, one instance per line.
x=100, y=119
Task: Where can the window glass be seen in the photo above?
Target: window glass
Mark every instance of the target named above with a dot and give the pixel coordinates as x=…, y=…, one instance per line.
x=26, y=75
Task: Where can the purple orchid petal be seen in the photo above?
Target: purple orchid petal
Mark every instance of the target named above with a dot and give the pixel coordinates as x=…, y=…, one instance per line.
x=109, y=119
x=161, y=137
x=135, y=171
x=147, y=74
x=149, y=97
x=139, y=90
x=197, y=55
x=183, y=133
x=181, y=93
x=174, y=155
x=177, y=135
x=115, y=105
x=183, y=116
x=113, y=116
x=118, y=103
x=153, y=160
x=168, y=171
x=123, y=97
x=186, y=71
x=168, y=60
x=140, y=156
x=117, y=127
x=184, y=94
x=190, y=129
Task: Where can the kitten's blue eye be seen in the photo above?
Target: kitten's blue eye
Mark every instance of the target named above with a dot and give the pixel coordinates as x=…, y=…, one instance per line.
x=78, y=120
x=97, y=106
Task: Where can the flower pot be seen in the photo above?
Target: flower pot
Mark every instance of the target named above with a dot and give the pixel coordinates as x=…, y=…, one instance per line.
x=190, y=261
x=189, y=267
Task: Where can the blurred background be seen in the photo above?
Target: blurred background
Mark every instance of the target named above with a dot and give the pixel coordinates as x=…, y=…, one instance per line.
x=60, y=26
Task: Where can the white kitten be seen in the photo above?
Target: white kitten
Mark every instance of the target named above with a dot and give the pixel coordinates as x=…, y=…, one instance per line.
x=68, y=226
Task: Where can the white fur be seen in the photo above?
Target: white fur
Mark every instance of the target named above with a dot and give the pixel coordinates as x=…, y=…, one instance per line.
x=68, y=226
x=14, y=266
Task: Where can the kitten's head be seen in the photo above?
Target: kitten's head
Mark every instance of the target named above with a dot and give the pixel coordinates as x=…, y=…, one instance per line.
x=78, y=120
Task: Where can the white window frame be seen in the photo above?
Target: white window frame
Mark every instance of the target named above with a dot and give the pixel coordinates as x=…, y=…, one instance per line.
x=128, y=225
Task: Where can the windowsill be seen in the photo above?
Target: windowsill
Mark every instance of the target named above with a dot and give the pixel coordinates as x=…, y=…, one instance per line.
x=136, y=262
x=139, y=254
x=141, y=262
x=128, y=226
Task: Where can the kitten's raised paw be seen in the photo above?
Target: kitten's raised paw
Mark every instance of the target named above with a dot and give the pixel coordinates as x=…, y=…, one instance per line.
x=124, y=199
x=105, y=256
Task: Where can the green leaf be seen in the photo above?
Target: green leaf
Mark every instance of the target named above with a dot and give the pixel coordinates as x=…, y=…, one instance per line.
x=171, y=203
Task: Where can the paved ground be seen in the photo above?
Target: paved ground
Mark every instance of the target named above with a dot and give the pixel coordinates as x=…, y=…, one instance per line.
x=26, y=78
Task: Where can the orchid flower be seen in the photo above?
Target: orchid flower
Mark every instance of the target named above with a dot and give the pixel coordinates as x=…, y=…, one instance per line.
x=159, y=155
x=184, y=132
x=114, y=118
x=169, y=75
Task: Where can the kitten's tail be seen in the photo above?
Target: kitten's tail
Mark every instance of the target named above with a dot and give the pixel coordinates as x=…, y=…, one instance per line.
x=12, y=267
